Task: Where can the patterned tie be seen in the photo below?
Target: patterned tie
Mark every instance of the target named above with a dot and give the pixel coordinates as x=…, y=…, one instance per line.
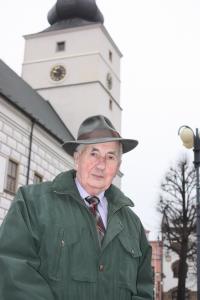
x=93, y=202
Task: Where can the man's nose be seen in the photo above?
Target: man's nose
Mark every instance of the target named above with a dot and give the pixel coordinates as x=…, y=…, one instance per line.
x=101, y=162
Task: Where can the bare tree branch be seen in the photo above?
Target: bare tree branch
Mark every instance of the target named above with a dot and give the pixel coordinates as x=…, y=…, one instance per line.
x=177, y=206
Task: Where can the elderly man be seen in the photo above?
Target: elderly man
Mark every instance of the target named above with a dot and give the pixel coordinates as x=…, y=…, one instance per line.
x=76, y=238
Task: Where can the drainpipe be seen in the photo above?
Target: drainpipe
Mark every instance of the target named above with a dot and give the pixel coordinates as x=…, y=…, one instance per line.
x=30, y=150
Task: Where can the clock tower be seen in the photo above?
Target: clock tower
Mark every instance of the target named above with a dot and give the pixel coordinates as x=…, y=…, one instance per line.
x=74, y=64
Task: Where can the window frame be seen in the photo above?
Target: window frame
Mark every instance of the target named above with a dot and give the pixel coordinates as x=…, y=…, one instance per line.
x=60, y=46
x=37, y=176
x=110, y=55
x=11, y=179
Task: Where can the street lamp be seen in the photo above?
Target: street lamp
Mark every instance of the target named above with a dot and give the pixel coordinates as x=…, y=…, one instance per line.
x=192, y=140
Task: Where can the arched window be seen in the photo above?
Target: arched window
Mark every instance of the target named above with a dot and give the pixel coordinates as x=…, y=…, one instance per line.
x=175, y=268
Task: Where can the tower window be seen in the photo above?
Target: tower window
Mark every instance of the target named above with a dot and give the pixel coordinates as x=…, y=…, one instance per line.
x=110, y=55
x=60, y=46
x=110, y=104
x=109, y=81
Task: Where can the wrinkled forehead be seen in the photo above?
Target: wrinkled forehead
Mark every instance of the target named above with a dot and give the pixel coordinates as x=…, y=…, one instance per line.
x=109, y=147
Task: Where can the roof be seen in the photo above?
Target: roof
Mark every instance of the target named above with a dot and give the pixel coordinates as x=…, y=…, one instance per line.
x=20, y=94
x=70, y=23
x=73, y=13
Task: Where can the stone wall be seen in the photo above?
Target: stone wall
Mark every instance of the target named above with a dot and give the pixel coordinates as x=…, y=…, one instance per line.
x=47, y=157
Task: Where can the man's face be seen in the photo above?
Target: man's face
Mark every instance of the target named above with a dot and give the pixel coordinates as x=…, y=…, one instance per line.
x=97, y=165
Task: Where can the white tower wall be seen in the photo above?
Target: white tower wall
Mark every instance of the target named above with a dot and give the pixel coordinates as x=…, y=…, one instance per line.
x=89, y=57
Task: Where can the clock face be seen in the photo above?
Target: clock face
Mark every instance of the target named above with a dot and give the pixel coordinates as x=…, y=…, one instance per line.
x=58, y=72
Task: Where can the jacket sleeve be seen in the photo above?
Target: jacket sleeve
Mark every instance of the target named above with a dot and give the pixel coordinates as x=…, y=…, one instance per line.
x=19, y=262
x=145, y=274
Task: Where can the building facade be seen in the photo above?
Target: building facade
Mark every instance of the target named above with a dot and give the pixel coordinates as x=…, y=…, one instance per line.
x=75, y=65
x=156, y=262
x=170, y=277
x=30, y=150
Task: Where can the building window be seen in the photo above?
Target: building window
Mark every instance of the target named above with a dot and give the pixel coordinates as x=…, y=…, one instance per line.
x=175, y=268
x=11, y=181
x=60, y=46
x=110, y=56
x=168, y=256
x=3, y=164
x=37, y=178
x=110, y=104
x=109, y=81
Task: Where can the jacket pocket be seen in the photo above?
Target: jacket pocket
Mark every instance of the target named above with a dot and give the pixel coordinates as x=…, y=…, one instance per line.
x=68, y=252
x=52, y=252
x=82, y=256
x=129, y=263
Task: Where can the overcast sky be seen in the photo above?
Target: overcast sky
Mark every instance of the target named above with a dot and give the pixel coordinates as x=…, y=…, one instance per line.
x=160, y=80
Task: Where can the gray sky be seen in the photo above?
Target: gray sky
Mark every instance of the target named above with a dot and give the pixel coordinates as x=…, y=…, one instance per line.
x=160, y=74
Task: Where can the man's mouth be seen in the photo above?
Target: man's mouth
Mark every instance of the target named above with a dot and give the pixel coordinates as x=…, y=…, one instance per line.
x=98, y=176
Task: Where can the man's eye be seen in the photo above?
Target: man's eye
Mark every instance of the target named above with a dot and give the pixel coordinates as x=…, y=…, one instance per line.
x=93, y=154
x=111, y=157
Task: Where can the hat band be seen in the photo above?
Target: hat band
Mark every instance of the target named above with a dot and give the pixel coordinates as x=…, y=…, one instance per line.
x=99, y=134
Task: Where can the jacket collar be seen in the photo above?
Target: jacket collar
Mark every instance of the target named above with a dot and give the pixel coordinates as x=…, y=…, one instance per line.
x=64, y=184
x=116, y=199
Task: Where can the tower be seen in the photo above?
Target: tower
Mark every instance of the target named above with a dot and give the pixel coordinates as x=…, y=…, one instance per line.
x=75, y=64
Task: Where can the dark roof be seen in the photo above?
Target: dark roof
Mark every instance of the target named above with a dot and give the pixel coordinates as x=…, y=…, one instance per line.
x=22, y=96
x=73, y=13
x=70, y=23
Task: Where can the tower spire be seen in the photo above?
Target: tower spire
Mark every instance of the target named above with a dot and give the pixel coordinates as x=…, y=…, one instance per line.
x=69, y=10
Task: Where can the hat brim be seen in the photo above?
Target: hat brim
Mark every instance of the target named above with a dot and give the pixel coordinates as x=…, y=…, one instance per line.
x=127, y=144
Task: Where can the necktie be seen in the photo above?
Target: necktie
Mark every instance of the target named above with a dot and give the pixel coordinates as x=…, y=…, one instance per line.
x=93, y=202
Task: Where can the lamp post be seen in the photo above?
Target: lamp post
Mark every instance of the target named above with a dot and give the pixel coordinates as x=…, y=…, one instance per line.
x=192, y=140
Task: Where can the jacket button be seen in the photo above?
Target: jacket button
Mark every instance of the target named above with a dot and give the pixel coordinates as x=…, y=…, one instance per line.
x=101, y=268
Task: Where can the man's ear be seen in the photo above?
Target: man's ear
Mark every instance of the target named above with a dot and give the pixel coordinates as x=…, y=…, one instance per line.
x=119, y=164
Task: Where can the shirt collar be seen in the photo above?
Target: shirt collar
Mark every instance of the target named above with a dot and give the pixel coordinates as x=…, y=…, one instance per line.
x=83, y=192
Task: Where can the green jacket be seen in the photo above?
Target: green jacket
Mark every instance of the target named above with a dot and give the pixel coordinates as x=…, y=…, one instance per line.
x=49, y=248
